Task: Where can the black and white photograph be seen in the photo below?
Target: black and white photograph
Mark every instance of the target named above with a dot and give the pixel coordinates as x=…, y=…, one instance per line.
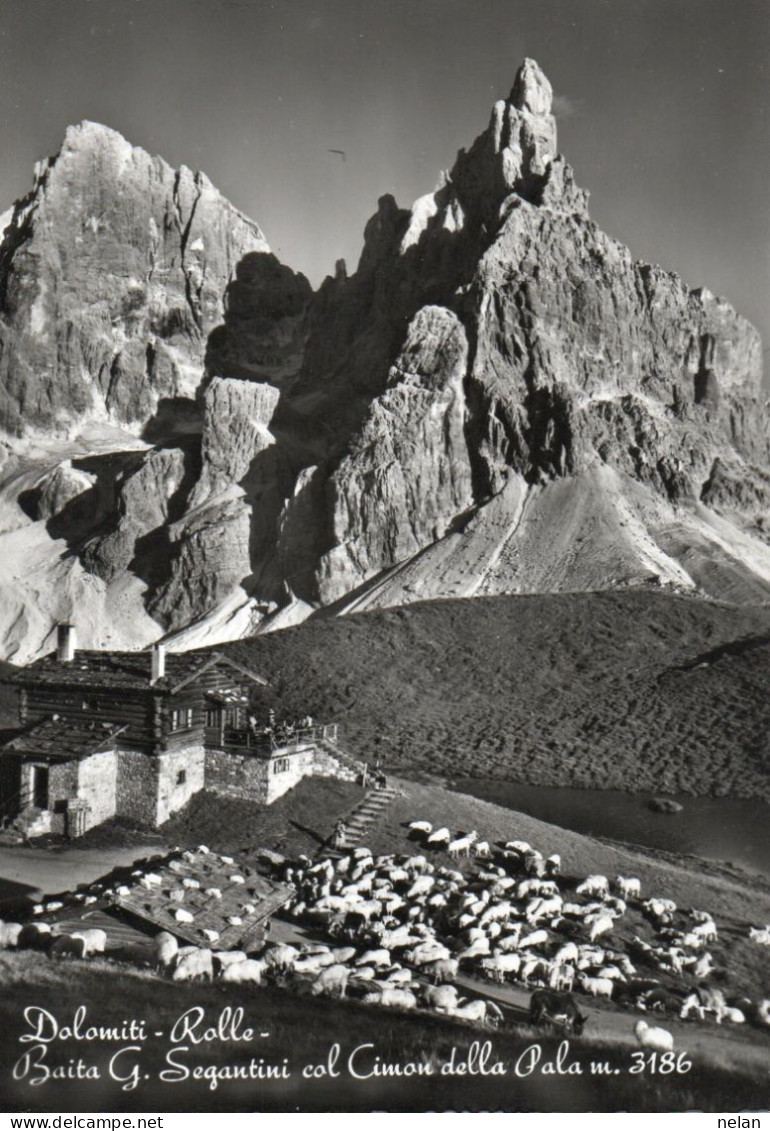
x=384, y=556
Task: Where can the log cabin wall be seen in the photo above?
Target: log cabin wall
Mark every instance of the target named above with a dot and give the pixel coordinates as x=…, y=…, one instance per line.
x=134, y=708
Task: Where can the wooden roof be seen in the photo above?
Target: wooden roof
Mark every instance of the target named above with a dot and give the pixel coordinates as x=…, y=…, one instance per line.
x=125, y=670
x=157, y=905
x=62, y=740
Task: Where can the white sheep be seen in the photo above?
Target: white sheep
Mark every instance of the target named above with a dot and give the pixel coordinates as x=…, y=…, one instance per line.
x=166, y=948
x=651, y=1037
x=596, y=987
x=94, y=940
x=9, y=935
x=193, y=963
x=629, y=887
x=250, y=970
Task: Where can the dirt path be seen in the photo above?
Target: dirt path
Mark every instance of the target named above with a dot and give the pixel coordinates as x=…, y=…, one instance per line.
x=40, y=871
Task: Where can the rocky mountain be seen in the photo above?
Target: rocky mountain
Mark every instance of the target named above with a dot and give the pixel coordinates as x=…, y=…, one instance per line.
x=498, y=400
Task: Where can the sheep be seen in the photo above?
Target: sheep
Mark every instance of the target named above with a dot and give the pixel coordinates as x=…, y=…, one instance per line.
x=374, y=958
x=66, y=946
x=596, y=987
x=210, y=935
x=333, y=980
x=441, y=970
x=760, y=935
x=441, y=837
x=561, y=977
x=479, y=1010
x=391, y=997
x=191, y=884
x=280, y=956
x=730, y=1013
x=249, y=970
x=481, y=848
x=94, y=940
x=692, y=1004
x=705, y=930
x=399, y=976
x=535, y=938
x=421, y=886
x=567, y=952
x=441, y=998
x=650, y=1037
x=34, y=936
x=498, y=965
x=600, y=926
x=553, y=864
x=183, y=916
x=215, y=893
x=224, y=958
x=462, y=845
x=424, y=827
x=193, y=963
x=534, y=864
x=9, y=935
x=593, y=885
x=629, y=887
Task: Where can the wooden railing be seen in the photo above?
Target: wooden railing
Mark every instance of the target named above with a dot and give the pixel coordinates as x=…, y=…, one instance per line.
x=270, y=742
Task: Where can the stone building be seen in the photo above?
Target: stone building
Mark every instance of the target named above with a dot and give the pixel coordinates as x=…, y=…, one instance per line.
x=137, y=734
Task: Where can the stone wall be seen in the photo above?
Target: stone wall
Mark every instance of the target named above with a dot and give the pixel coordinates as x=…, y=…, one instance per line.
x=97, y=784
x=263, y=780
x=137, y=787
x=236, y=775
x=181, y=773
x=286, y=770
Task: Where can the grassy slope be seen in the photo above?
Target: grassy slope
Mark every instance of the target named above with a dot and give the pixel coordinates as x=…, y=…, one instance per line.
x=302, y=821
x=559, y=689
x=302, y=1029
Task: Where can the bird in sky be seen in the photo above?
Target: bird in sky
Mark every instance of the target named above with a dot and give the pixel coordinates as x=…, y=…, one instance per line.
x=341, y=152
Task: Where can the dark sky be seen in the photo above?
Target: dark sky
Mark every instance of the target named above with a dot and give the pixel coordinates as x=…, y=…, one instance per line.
x=663, y=108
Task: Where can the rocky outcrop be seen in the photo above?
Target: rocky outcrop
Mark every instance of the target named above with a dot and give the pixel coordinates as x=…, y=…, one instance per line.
x=587, y=374
x=113, y=273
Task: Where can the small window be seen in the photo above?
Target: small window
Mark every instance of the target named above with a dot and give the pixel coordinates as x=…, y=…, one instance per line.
x=181, y=718
x=280, y=765
x=181, y=777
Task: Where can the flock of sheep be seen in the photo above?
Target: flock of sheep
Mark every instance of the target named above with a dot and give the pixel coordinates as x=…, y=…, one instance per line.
x=401, y=930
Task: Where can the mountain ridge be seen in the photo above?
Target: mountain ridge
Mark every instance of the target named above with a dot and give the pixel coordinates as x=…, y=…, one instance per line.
x=498, y=400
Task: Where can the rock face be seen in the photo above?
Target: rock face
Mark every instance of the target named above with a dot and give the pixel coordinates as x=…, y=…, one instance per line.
x=498, y=400
x=587, y=375
x=113, y=272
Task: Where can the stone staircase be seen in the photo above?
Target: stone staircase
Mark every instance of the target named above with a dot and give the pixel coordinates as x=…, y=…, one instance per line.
x=29, y=823
x=366, y=813
x=354, y=766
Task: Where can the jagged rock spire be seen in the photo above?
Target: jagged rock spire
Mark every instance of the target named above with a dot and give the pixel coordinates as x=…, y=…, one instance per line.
x=531, y=89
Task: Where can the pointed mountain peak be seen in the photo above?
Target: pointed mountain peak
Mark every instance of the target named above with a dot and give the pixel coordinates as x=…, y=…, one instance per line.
x=532, y=90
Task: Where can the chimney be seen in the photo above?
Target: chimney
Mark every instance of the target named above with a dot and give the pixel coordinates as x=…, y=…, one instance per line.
x=158, y=662
x=65, y=643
